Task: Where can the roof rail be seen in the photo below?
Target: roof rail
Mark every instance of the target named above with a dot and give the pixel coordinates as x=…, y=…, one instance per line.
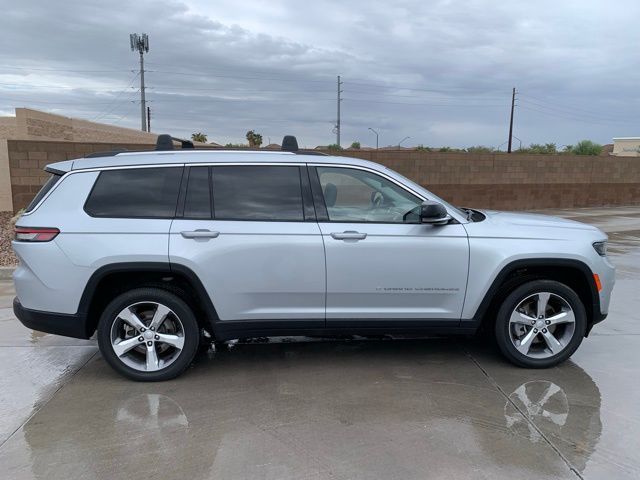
x=165, y=142
x=110, y=153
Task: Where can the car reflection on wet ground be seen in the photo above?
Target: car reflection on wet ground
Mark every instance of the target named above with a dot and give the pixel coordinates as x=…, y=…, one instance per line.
x=413, y=408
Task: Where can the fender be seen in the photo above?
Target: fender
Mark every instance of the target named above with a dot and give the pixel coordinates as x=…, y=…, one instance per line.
x=515, y=265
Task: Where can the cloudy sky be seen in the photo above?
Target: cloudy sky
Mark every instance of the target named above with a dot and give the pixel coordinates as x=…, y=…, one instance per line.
x=439, y=72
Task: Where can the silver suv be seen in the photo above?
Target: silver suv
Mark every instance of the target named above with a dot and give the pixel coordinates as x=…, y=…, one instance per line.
x=153, y=249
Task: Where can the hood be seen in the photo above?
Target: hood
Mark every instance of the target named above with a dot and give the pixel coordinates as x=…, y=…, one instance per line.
x=534, y=220
x=532, y=226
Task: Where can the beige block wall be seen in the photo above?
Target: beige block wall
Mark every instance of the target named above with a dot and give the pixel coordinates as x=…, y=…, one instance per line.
x=36, y=125
x=498, y=181
x=8, y=128
x=6, y=200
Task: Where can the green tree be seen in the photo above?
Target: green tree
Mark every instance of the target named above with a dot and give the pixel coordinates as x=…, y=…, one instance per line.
x=355, y=145
x=334, y=146
x=480, y=149
x=547, y=148
x=422, y=148
x=199, y=137
x=587, y=147
x=254, y=139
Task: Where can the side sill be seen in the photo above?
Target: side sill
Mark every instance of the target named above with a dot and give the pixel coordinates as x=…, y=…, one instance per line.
x=228, y=330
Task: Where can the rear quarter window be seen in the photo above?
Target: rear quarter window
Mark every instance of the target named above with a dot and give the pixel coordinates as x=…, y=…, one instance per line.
x=46, y=188
x=135, y=193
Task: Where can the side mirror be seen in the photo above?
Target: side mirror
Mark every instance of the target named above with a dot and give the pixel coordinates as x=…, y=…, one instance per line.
x=434, y=213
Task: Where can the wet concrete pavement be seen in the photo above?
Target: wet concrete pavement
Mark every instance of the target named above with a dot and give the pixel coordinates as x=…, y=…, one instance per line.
x=422, y=408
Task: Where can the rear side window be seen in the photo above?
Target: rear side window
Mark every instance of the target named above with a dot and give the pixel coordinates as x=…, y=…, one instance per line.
x=257, y=193
x=53, y=179
x=197, y=203
x=135, y=193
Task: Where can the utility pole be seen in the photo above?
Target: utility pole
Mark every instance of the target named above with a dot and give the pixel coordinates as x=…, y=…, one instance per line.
x=141, y=44
x=513, y=103
x=148, y=119
x=337, y=129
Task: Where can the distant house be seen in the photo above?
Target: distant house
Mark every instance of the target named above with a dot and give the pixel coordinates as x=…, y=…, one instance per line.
x=626, y=147
x=272, y=146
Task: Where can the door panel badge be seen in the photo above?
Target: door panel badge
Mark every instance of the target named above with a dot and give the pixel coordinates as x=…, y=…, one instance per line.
x=432, y=290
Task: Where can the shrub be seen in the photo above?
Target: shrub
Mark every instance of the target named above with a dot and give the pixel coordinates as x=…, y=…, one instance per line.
x=587, y=147
x=334, y=146
x=480, y=149
x=355, y=145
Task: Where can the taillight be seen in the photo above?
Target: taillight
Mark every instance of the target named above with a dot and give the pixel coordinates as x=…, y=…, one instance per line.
x=35, y=234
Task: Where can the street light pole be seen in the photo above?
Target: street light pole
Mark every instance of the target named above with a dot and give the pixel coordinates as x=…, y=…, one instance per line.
x=405, y=138
x=376, y=136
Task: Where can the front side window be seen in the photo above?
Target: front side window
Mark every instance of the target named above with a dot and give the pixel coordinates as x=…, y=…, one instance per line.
x=135, y=193
x=248, y=192
x=353, y=195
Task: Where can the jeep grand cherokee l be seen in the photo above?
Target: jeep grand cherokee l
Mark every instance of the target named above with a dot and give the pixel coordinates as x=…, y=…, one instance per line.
x=151, y=249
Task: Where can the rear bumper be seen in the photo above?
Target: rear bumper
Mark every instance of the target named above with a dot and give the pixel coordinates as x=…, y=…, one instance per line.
x=68, y=325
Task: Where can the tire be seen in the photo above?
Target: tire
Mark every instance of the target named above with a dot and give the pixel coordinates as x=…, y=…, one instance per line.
x=149, y=355
x=519, y=327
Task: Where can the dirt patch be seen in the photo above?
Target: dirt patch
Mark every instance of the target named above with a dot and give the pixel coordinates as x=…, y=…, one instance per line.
x=7, y=257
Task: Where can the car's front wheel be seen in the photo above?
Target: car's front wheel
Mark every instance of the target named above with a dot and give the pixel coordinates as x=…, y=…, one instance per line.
x=148, y=334
x=540, y=324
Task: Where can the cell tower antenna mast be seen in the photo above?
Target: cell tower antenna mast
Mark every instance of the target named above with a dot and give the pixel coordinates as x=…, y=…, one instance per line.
x=140, y=43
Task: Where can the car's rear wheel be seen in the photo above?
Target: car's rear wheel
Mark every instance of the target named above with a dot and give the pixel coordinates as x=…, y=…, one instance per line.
x=148, y=334
x=540, y=324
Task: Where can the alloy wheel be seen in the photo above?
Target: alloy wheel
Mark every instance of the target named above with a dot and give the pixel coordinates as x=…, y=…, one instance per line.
x=542, y=325
x=147, y=336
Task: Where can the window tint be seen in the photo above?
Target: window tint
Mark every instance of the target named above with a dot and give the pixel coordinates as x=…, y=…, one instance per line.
x=257, y=193
x=140, y=192
x=197, y=203
x=352, y=195
x=53, y=179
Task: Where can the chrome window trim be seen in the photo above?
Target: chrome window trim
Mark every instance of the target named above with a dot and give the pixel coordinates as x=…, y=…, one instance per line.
x=248, y=163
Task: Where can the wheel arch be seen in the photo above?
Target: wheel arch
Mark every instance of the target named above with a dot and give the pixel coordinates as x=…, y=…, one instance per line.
x=113, y=279
x=574, y=273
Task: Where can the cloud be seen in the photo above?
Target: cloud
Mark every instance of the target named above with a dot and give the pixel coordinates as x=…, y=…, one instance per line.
x=439, y=71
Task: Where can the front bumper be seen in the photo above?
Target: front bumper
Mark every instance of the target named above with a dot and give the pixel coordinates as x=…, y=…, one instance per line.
x=68, y=325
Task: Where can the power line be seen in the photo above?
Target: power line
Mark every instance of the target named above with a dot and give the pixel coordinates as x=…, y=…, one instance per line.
x=578, y=119
x=569, y=111
x=108, y=110
x=423, y=104
x=11, y=67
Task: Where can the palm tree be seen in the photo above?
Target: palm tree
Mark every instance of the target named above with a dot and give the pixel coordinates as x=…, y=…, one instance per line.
x=199, y=137
x=254, y=139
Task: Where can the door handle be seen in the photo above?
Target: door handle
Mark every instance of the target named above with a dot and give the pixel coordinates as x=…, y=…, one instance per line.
x=200, y=233
x=349, y=235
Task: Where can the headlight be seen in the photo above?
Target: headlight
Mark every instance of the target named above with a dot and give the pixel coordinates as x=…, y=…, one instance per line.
x=601, y=248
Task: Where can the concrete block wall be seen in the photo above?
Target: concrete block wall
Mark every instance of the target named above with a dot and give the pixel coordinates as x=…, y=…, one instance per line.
x=497, y=181
x=517, y=181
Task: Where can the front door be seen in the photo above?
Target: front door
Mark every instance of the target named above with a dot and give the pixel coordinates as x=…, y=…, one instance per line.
x=250, y=237
x=383, y=266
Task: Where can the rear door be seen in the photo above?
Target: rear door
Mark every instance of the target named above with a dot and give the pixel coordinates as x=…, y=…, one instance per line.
x=385, y=268
x=249, y=233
